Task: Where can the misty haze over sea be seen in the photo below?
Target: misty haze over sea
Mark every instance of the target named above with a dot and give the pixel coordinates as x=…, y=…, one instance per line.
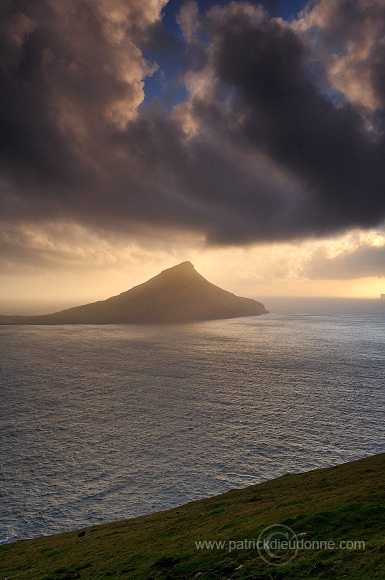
x=109, y=422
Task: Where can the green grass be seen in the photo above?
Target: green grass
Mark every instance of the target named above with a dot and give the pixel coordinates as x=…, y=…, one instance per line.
x=342, y=503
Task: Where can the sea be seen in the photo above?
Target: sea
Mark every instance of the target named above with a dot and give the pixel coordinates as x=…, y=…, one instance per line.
x=101, y=423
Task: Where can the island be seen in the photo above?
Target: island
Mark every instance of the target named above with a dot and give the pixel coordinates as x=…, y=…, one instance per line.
x=178, y=294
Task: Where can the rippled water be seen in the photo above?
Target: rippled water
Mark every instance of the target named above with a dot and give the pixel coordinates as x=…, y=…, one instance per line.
x=108, y=422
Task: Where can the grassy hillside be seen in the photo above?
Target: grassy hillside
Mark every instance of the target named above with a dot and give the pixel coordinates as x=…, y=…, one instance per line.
x=342, y=503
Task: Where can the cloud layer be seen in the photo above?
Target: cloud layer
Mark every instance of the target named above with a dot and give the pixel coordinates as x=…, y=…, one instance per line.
x=281, y=136
x=363, y=261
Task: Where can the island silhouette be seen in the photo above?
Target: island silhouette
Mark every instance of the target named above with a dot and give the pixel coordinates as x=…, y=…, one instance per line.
x=178, y=294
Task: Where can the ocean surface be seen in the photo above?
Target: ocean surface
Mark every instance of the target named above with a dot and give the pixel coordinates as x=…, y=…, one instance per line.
x=100, y=423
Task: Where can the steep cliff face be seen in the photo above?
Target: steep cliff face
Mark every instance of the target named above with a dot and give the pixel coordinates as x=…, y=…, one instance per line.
x=178, y=294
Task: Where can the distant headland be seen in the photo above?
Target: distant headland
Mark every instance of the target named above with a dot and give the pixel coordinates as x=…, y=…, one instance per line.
x=178, y=294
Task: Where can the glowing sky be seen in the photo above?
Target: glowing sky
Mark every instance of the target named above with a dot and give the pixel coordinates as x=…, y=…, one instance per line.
x=246, y=137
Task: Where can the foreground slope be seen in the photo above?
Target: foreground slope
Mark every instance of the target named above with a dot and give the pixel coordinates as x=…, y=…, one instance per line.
x=345, y=503
x=178, y=294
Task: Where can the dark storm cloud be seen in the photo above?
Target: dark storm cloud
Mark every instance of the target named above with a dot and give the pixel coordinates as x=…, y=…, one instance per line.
x=285, y=114
x=364, y=261
x=260, y=151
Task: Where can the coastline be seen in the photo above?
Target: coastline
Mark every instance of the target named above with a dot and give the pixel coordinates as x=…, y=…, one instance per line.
x=339, y=504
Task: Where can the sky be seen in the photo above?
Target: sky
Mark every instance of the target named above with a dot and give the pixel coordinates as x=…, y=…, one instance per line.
x=247, y=137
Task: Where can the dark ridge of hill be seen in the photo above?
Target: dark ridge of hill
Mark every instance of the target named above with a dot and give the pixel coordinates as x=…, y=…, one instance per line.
x=336, y=515
x=178, y=294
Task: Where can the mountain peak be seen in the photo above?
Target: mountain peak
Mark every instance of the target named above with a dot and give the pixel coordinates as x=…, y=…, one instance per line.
x=186, y=264
x=182, y=267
